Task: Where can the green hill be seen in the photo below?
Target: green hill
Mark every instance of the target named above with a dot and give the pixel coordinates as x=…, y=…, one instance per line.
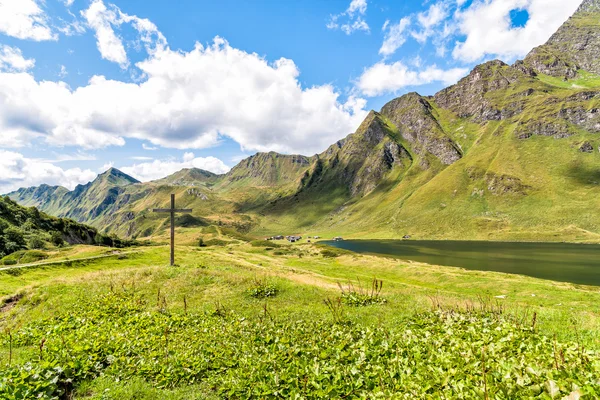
x=26, y=228
x=509, y=152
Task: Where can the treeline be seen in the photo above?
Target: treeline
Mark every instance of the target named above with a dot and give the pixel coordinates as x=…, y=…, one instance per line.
x=27, y=228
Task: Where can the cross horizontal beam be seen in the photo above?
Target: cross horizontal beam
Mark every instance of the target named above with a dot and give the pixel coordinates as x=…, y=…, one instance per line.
x=177, y=210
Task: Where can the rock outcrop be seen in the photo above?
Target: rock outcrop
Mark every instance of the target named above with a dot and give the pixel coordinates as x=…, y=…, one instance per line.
x=573, y=47
x=412, y=115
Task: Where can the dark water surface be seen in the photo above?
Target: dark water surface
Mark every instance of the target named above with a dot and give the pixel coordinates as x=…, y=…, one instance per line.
x=565, y=262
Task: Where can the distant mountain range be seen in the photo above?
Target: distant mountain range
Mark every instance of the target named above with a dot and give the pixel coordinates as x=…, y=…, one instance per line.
x=509, y=152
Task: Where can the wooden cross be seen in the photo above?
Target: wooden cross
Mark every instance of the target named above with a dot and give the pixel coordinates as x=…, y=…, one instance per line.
x=172, y=211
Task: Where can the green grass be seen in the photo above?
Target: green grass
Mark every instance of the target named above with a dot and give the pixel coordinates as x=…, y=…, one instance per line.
x=584, y=80
x=121, y=307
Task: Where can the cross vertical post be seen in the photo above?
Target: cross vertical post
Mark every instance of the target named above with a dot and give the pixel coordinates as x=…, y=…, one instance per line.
x=172, y=229
x=172, y=211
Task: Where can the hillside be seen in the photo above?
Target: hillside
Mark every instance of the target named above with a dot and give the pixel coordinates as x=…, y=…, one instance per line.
x=509, y=152
x=24, y=228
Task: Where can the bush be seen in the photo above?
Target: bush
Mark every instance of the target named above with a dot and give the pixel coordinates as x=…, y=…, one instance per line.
x=201, y=242
x=262, y=289
x=14, y=235
x=9, y=262
x=36, y=242
x=57, y=239
x=359, y=296
x=216, y=242
x=330, y=253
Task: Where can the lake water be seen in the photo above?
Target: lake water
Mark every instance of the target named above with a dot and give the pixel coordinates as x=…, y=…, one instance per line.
x=565, y=262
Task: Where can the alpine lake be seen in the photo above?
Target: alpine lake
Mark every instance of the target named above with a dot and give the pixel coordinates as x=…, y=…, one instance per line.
x=562, y=262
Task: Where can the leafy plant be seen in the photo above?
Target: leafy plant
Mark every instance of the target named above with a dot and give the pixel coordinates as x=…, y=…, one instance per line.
x=261, y=289
x=359, y=296
x=440, y=354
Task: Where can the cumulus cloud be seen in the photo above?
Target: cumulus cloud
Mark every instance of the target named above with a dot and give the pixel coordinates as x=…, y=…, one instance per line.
x=102, y=19
x=353, y=17
x=157, y=169
x=17, y=171
x=188, y=100
x=429, y=19
x=11, y=59
x=384, y=78
x=24, y=19
x=486, y=24
x=395, y=36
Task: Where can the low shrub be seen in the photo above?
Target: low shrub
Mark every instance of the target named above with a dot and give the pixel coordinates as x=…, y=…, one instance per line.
x=330, y=253
x=261, y=289
x=216, y=242
x=358, y=296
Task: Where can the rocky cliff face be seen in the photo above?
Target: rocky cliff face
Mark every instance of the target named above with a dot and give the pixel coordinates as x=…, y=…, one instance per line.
x=469, y=98
x=362, y=160
x=573, y=47
x=412, y=115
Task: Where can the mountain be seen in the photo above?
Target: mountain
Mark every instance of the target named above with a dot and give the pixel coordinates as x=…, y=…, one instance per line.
x=509, y=152
x=188, y=177
x=574, y=48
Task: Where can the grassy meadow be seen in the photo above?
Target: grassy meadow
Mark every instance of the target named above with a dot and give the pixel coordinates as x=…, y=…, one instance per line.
x=252, y=319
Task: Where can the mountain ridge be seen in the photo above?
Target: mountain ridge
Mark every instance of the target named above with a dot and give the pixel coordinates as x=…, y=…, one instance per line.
x=498, y=155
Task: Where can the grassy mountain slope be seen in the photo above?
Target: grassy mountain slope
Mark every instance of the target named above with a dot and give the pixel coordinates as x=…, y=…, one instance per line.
x=26, y=228
x=509, y=152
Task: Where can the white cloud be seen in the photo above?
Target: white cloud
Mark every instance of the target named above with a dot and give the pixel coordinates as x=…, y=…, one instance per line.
x=358, y=25
x=102, y=19
x=160, y=168
x=487, y=27
x=147, y=147
x=428, y=20
x=384, y=78
x=353, y=16
x=24, y=19
x=394, y=36
x=75, y=27
x=11, y=59
x=189, y=100
x=357, y=6
x=63, y=71
x=18, y=171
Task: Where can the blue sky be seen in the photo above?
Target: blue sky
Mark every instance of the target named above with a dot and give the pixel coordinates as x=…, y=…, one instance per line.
x=151, y=87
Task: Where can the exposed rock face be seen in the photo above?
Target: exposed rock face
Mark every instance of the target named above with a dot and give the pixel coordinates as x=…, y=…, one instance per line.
x=498, y=184
x=468, y=97
x=586, y=147
x=197, y=193
x=573, y=47
x=557, y=128
x=412, y=115
x=360, y=162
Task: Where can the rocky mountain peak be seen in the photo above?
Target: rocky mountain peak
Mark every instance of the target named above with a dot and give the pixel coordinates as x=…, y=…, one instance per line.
x=116, y=177
x=413, y=115
x=589, y=6
x=575, y=46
